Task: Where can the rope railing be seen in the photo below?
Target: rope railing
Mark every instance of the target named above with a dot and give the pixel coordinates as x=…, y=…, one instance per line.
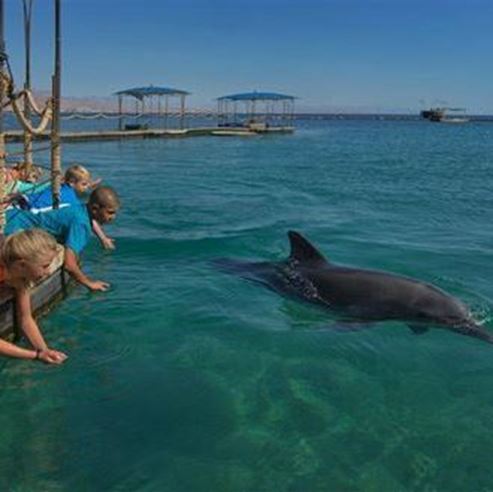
x=46, y=116
x=107, y=116
x=21, y=152
x=13, y=100
x=114, y=116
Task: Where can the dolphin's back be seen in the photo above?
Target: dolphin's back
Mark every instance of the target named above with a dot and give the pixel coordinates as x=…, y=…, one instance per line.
x=380, y=295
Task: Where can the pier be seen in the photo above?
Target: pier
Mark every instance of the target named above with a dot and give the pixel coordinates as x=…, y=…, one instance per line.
x=18, y=136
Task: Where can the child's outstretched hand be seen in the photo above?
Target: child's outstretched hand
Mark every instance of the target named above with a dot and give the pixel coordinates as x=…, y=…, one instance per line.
x=50, y=356
x=98, y=285
x=95, y=183
x=108, y=243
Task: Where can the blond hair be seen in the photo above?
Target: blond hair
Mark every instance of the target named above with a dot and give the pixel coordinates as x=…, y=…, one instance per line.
x=31, y=245
x=28, y=171
x=77, y=173
x=104, y=197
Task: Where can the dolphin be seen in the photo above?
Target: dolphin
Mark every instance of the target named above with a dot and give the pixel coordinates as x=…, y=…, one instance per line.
x=358, y=296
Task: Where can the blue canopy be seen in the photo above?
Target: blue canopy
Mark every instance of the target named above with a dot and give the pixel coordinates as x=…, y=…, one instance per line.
x=141, y=92
x=257, y=96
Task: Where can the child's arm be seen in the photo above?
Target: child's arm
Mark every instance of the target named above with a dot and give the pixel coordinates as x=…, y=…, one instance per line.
x=95, y=183
x=72, y=266
x=49, y=356
x=33, y=334
x=11, y=350
x=26, y=320
x=106, y=241
x=28, y=187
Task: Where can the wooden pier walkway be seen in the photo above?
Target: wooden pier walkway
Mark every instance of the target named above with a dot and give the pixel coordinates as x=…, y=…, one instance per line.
x=18, y=136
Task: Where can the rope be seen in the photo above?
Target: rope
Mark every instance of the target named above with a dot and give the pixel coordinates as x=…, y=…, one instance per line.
x=26, y=124
x=13, y=98
x=110, y=116
x=21, y=152
x=107, y=116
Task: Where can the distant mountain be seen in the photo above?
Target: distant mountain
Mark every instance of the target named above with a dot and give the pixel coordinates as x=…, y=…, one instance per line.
x=87, y=104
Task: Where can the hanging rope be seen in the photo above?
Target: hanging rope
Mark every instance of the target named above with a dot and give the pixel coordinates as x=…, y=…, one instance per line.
x=46, y=116
x=13, y=100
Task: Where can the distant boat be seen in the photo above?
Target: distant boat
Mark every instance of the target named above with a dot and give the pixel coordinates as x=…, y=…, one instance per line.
x=441, y=115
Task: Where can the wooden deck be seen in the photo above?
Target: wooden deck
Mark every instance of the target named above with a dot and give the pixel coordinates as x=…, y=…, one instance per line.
x=17, y=136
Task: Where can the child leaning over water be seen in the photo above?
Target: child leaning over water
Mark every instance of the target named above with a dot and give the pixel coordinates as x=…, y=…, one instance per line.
x=77, y=182
x=26, y=257
x=23, y=178
x=72, y=226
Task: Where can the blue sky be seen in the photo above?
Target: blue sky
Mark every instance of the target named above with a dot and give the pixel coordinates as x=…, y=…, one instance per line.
x=352, y=55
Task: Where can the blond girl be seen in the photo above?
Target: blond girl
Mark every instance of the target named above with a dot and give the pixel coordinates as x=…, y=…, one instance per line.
x=25, y=257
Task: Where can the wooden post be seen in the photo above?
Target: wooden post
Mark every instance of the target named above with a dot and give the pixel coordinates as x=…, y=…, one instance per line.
x=56, y=165
x=28, y=139
x=2, y=136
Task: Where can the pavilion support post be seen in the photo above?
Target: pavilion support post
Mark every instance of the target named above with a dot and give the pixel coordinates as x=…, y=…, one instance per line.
x=56, y=166
x=182, y=112
x=166, y=108
x=2, y=136
x=120, y=112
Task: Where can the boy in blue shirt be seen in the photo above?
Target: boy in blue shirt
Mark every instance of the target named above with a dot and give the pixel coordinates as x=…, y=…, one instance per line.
x=72, y=226
x=77, y=181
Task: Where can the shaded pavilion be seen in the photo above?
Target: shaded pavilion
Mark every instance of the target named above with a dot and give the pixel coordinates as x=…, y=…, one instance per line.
x=149, y=101
x=248, y=109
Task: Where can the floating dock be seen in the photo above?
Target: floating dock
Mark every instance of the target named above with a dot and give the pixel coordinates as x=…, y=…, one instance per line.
x=18, y=136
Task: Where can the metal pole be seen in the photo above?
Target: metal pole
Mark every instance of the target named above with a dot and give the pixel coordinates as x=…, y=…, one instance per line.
x=182, y=111
x=28, y=139
x=166, y=108
x=2, y=136
x=56, y=166
x=120, y=117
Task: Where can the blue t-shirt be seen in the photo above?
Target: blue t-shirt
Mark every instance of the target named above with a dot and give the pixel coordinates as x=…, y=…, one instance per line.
x=43, y=201
x=71, y=226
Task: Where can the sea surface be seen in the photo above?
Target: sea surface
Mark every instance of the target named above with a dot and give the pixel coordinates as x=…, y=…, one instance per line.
x=182, y=378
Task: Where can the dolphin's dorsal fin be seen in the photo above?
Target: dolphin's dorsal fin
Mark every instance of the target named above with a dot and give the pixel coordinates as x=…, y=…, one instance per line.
x=303, y=250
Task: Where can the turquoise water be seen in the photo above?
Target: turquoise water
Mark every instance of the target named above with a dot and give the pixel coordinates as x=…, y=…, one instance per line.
x=182, y=378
